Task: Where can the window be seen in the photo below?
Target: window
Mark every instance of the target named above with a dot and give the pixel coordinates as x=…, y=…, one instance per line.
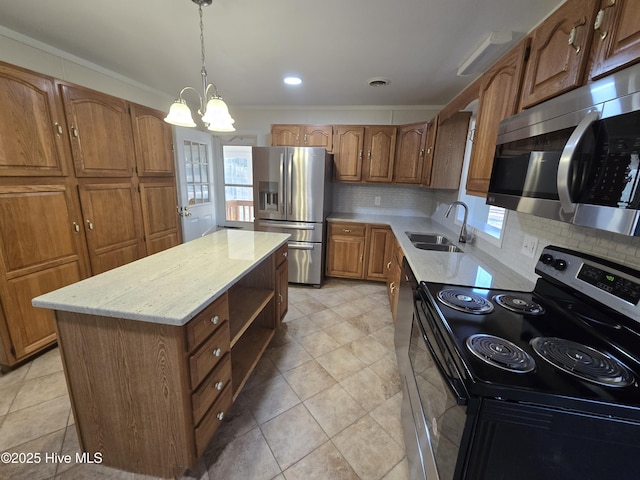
x=196, y=162
x=238, y=183
x=487, y=220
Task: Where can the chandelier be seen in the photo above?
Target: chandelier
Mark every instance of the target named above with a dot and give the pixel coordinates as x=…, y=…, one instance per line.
x=212, y=109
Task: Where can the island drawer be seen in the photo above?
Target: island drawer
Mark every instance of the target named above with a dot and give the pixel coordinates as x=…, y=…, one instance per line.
x=211, y=388
x=212, y=420
x=209, y=354
x=350, y=229
x=281, y=254
x=207, y=321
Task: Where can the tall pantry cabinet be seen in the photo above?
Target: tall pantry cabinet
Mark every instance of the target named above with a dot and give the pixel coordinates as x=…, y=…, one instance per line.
x=71, y=195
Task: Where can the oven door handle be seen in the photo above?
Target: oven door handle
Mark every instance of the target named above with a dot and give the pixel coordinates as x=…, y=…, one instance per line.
x=563, y=180
x=461, y=399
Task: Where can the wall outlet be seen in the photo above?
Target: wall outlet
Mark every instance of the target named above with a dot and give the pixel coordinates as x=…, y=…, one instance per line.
x=529, y=245
x=376, y=201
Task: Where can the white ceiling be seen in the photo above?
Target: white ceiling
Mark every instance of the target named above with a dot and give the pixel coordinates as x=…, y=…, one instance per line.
x=334, y=45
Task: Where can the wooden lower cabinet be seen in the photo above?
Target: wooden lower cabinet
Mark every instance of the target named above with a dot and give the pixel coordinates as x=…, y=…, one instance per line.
x=380, y=249
x=159, y=218
x=394, y=273
x=345, y=250
x=149, y=396
x=282, y=282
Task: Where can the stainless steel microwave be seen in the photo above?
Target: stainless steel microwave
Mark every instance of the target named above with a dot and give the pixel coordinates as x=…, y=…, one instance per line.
x=575, y=158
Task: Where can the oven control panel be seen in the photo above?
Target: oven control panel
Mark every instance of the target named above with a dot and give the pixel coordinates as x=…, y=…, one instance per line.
x=600, y=281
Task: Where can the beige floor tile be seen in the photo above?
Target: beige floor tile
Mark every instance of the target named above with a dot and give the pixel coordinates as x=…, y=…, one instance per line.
x=14, y=376
x=367, y=304
x=387, y=369
x=246, y=457
x=334, y=409
x=330, y=299
x=369, y=322
x=367, y=389
x=367, y=349
x=265, y=370
x=388, y=417
x=292, y=313
x=370, y=288
x=308, y=379
x=7, y=396
x=84, y=471
x=45, y=364
x=270, y=399
x=370, y=450
x=310, y=306
x=301, y=327
x=37, y=465
x=292, y=435
x=319, y=343
x=385, y=337
x=298, y=294
x=40, y=389
x=324, y=463
x=347, y=310
x=340, y=363
x=344, y=333
x=70, y=446
x=288, y=356
x=326, y=318
x=32, y=422
x=399, y=472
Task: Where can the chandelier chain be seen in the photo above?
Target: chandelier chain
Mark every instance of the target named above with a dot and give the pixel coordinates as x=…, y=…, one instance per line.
x=201, y=35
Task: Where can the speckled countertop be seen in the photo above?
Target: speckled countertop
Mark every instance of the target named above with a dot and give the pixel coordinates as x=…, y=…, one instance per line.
x=172, y=286
x=473, y=267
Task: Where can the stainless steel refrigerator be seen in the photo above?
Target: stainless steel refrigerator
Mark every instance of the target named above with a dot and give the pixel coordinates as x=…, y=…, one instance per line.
x=292, y=194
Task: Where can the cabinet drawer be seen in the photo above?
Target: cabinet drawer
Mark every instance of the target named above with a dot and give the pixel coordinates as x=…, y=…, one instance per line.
x=212, y=420
x=281, y=254
x=211, y=388
x=209, y=354
x=350, y=229
x=204, y=324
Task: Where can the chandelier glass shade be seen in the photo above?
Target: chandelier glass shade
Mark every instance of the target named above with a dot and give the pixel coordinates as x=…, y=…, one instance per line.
x=212, y=109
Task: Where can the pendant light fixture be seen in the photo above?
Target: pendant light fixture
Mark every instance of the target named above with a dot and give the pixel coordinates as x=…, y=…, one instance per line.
x=212, y=109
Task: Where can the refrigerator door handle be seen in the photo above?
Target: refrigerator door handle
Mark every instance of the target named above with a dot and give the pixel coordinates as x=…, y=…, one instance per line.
x=301, y=246
x=289, y=184
x=281, y=185
x=292, y=226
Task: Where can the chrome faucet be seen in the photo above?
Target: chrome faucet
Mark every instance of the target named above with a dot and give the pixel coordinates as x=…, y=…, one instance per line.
x=463, y=230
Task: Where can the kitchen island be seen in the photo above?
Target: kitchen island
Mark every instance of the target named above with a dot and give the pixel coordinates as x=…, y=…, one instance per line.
x=156, y=351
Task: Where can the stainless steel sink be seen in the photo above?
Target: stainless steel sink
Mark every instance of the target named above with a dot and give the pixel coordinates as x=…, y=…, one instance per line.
x=432, y=241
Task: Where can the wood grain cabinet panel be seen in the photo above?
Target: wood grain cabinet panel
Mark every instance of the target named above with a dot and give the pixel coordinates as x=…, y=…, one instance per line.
x=559, y=52
x=449, y=151
x=302, y=136
x=410, y=153
x=381, y=243
x=285, y=135
x=347, y=152
x=380, y=145
x=345, y=250
x=616, y=39
x=430, y=148
x=499, y=93
x=31, y=125
x=159, y=215
x=153, y=142
x=100, y=132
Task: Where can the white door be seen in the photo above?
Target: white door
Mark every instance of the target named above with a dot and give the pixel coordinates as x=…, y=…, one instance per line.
x=194, y=157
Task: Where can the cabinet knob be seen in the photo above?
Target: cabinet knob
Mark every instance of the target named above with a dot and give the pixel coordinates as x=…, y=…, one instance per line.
x=58, y=129
x=285, y=254
x=220, y=416
x=90, y=224
x=572, y=36
x=392, y=286
x=215, y=320
x=600, y=18
x=346, y=230
x=217, y=352
x=74, y=131
x=76, y=227
x=389, y=266
x=218, y=385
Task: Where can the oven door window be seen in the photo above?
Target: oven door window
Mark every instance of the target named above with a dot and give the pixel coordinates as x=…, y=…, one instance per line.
x=445, y=418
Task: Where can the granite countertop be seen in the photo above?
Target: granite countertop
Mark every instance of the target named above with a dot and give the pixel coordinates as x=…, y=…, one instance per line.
x=473, y=267
x=171, y=286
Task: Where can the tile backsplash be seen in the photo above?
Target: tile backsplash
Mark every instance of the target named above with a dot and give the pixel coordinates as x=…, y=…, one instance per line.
x=361, y=198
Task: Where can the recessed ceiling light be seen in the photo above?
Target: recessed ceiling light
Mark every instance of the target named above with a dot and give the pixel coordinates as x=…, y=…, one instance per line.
x=378, y=82
x=292, y=80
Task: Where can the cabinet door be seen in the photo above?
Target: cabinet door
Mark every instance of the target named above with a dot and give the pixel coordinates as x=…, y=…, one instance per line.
x=285, y=135
x=380, y=145
x=559, y=52
x=449, y=151
x=282, y=291
x=42, y=248
x=159, y=216
x=381, y=243
x=153, y=143
x=347, y=153
x=430, y=148
x=318, y=136
x=345, y=250
x=112, y=224
x=410, y=153
x=616, y=40
x=100, y=132
x=498, y=100
x=31, y=125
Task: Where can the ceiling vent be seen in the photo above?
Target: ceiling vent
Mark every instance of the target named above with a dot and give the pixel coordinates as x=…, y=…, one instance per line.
x=378, y=82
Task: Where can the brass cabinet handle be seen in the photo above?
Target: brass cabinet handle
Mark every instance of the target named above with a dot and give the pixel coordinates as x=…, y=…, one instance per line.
x=600, y=18
x=90, y=224
x=346, y=230
x=572, y=36
x=392, y=286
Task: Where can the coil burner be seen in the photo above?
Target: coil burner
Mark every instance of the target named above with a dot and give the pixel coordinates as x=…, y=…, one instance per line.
x=500, y=353
x=582, y=361
x=518, y=304
x=465, y=301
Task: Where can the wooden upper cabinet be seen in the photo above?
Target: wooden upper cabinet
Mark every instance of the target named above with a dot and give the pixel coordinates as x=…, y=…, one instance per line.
x=159, y=215
x=100, y=132
x=616, y=39
x=449, y=151
x=347, y=152
x=153, y=142
x=302, y=136
x=410, y=153
x=559, y=52
x=499, y=93
x=429, y=150
x=31, y=125
x=380, y=145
